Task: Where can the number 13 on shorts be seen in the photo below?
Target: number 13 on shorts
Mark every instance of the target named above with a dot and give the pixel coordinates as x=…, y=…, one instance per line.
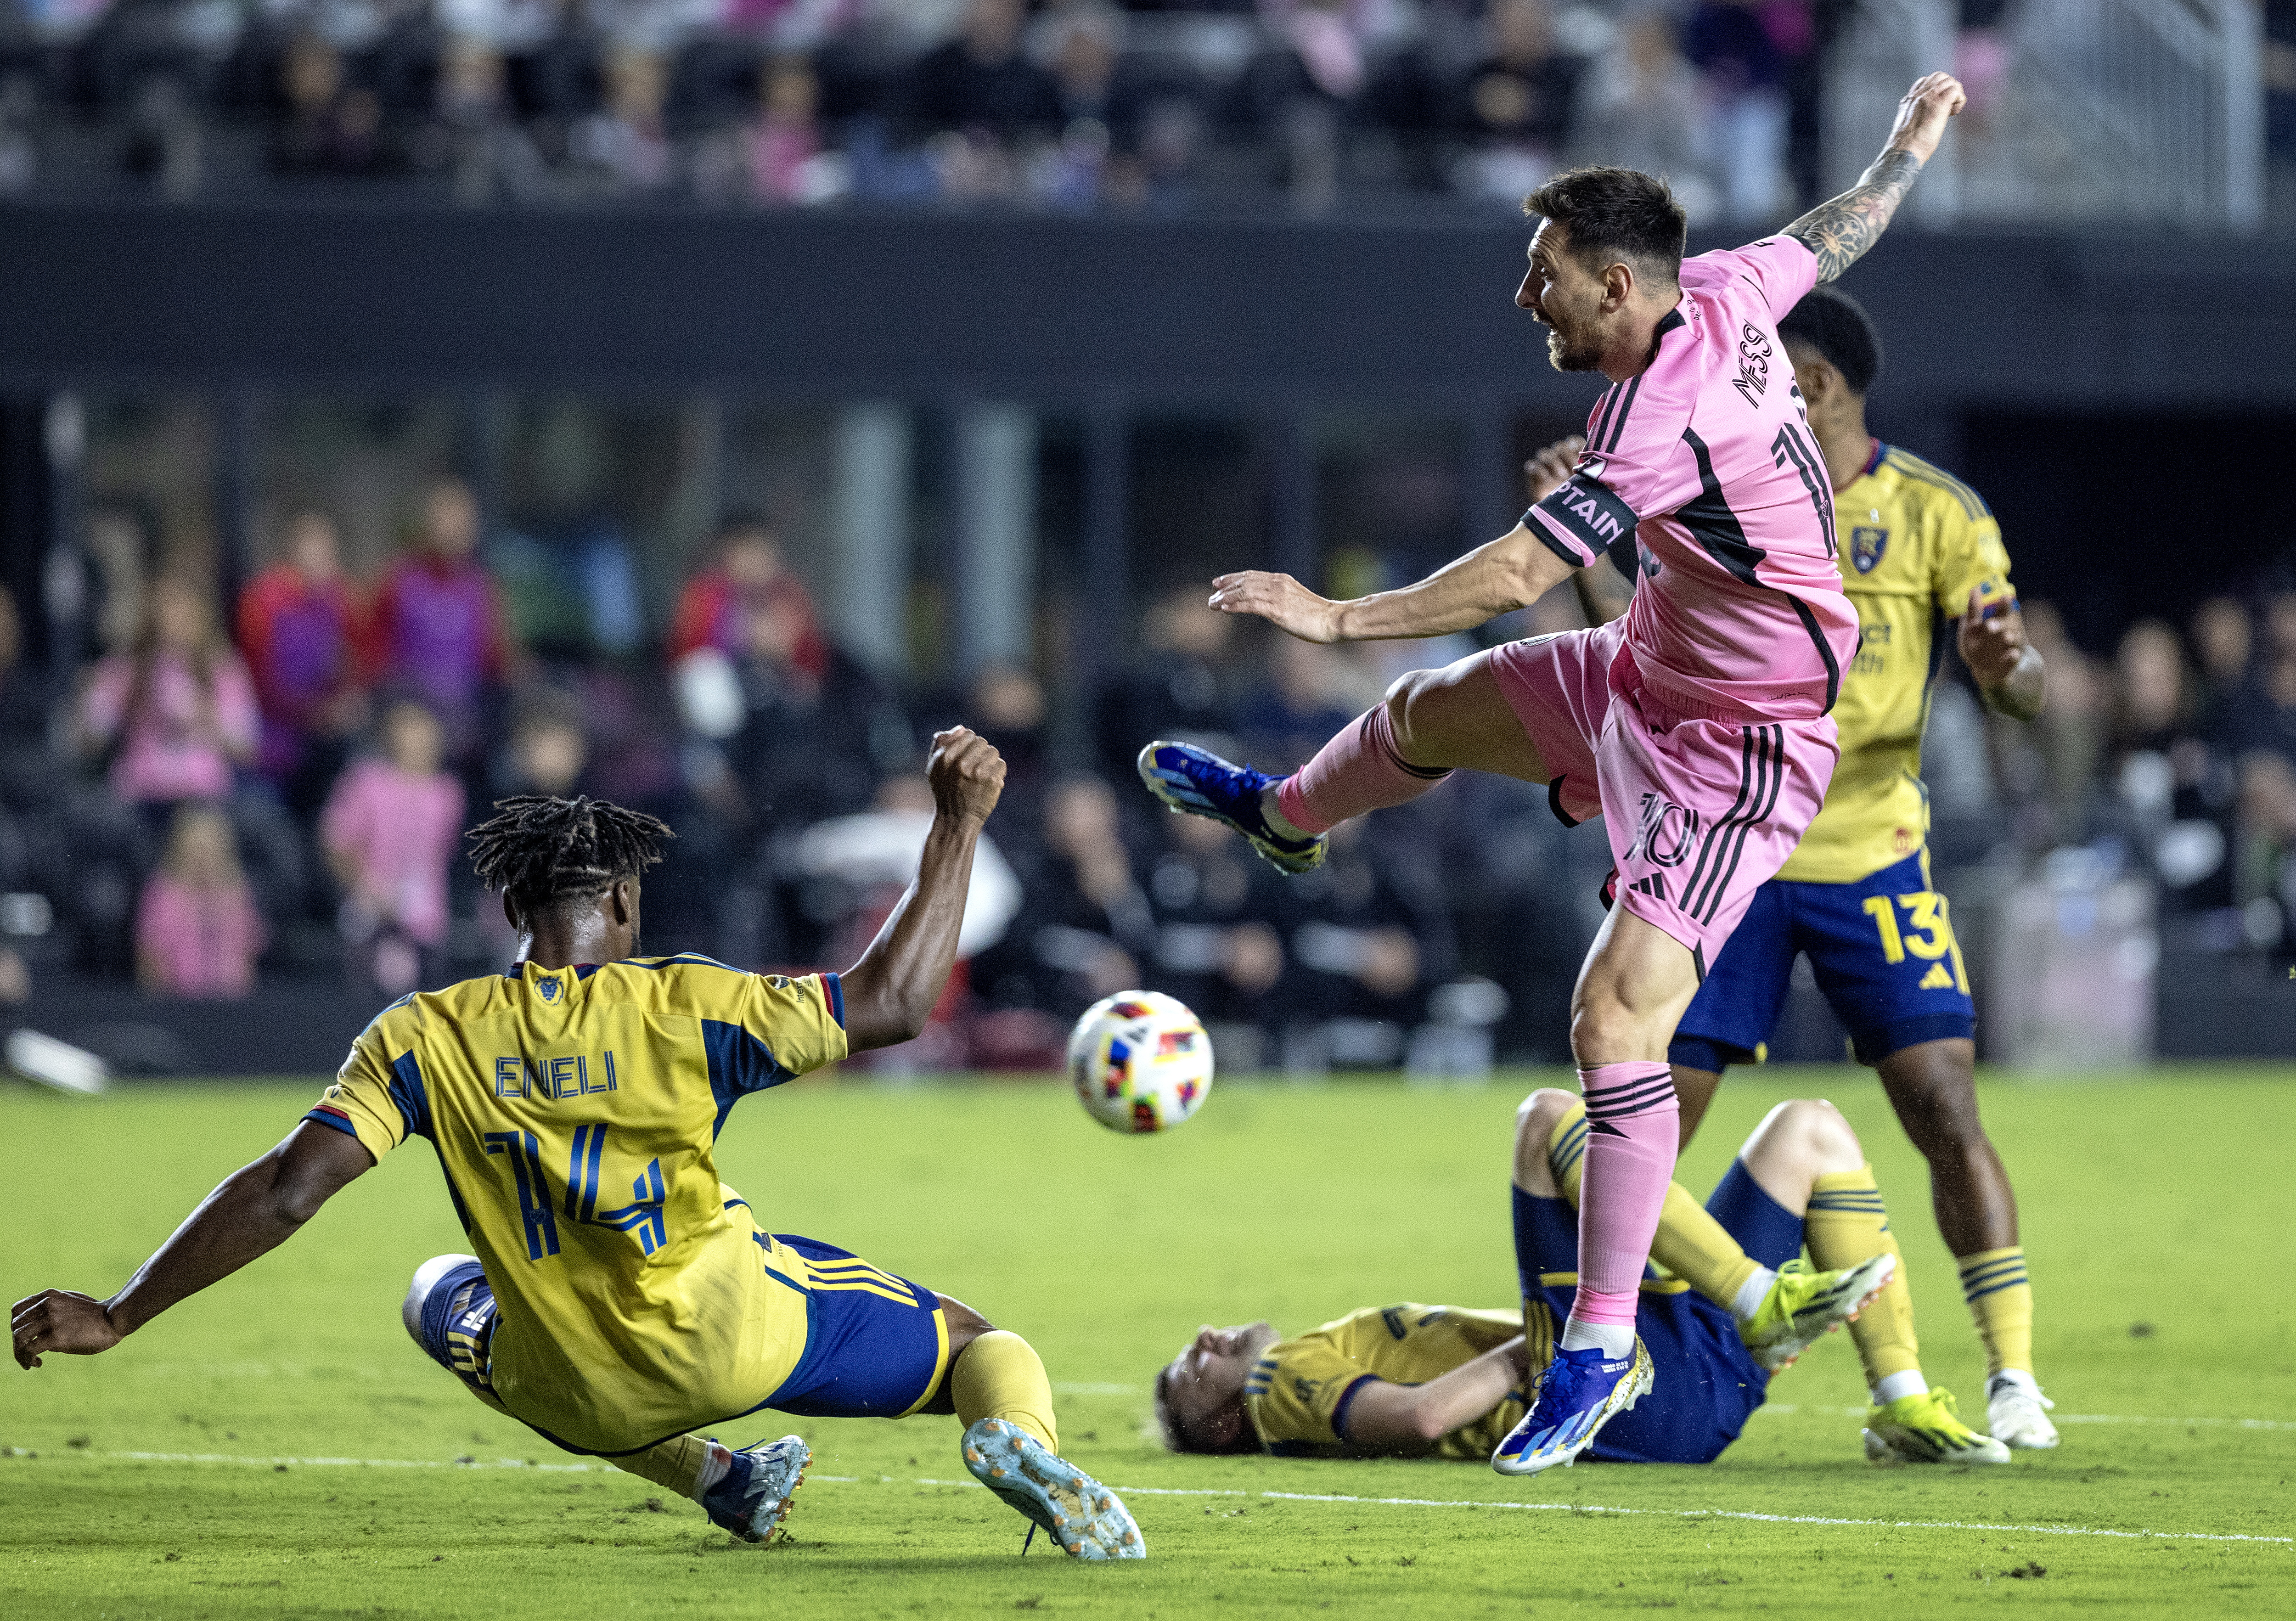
x=1927, y=936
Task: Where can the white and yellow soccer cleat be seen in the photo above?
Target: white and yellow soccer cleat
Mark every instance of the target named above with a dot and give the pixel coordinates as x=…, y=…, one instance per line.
x=1579, y=1393
x=2017, y=1413
x=1803, y=1307
x=1084, y=1517
x=753, y=1498
x=1927, y=1429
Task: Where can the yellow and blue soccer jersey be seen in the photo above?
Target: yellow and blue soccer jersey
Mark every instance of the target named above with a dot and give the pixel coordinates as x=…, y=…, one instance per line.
x=1914, y=543
x=574, y=1112
x=1297, y=1395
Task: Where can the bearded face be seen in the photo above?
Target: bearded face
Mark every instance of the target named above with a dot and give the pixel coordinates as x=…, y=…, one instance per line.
x=1574, y=344
x=1567, y=297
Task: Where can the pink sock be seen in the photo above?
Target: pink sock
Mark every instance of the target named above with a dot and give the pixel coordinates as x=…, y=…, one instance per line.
x=1356, y=772
x=1632, y=1124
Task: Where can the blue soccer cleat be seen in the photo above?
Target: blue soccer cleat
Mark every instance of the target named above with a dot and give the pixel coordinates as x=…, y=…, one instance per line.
x=1084, y=1517
x=753, y=1499
x=1578, y=1395
x=1194, y=780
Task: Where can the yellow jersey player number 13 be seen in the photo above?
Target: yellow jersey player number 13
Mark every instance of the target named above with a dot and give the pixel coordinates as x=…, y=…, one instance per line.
x=1919, y=551
x=623, y=1299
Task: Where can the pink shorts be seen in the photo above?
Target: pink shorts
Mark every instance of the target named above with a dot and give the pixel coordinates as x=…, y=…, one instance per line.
x=1701, y=813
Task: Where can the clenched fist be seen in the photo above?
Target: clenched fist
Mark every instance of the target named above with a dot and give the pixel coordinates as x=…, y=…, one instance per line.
x=1921, y=115
x=967, y=775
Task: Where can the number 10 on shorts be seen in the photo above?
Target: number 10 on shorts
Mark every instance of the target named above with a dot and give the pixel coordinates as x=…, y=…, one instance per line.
x=1927, y=934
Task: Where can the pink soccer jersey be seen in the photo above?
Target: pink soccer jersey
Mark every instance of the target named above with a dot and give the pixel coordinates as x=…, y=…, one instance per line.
x=1706, y=456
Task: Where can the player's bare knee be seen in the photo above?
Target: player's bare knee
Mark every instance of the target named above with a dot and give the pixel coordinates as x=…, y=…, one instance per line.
x=1800, y=1139
x=1404, y=703
x=1822, y=1135
x=1535, y=1119
x=1604, y=1030
x=1933, y=1087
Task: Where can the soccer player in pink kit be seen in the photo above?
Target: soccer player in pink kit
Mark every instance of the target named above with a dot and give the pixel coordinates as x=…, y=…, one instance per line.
x=1696, y=725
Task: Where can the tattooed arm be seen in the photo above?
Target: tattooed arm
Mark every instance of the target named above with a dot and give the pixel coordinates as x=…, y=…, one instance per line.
x=1840, y=231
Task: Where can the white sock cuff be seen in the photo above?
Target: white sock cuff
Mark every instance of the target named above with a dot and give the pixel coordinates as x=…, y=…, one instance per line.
x=1911, y=1382
x=1276, y=823
x=1617, y=1339
x=1749, y=1297
x=717, y=1462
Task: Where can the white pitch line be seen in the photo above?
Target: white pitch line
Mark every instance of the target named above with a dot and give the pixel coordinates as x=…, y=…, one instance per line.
x=1170, y=1491
x=1591, y=1508
x=2073, y=1418
x=274, y=1462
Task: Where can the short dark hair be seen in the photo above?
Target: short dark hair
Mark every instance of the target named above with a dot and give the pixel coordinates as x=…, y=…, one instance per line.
x=1837, y=326
x=1179, y=1438
x=544, y=852
x=1615, y=213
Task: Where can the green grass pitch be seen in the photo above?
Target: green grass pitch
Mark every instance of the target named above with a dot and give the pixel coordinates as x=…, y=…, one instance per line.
x=2157, y=1213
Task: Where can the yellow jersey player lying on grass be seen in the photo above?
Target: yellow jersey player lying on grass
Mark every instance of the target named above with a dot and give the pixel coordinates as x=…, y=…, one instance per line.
x=1738, y=1307
x=621, y=1297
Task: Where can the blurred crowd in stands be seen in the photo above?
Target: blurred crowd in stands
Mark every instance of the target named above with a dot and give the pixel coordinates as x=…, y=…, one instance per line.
x=1073, y=104
x=280, y=790
x=276, y=786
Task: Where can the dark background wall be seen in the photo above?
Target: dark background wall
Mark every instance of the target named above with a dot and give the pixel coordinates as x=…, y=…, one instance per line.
x=2125, y=403
x=1181, y=310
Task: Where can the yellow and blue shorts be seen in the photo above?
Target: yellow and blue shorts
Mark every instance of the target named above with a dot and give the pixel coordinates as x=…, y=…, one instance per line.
x=1883, y=951
x=876, y=1345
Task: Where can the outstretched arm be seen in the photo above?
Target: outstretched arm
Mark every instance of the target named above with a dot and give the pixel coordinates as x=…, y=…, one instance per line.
x=891, y=992
x=1411, y=1418
x=1840, y=231
x=255, y=1210
x=1512, y=571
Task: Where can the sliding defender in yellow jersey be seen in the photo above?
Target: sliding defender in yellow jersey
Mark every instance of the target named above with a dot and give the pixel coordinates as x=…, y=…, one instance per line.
x=621, y=1299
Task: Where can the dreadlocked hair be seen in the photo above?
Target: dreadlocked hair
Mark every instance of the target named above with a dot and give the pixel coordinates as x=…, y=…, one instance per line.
x=543, y=851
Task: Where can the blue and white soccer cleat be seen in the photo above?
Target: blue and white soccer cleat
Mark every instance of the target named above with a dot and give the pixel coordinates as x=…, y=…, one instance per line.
x=1084, y=1517
x=1193, y=779
x=1578, y=1394
x=753, y=1499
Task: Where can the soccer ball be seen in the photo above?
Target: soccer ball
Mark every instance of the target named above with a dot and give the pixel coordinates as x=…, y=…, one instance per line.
x=1140, y=1060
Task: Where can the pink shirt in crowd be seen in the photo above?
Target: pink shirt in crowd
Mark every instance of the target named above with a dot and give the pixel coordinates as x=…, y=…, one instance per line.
x=401, y=829
x=1707, y=458
x=170, y=750
x=202, y=942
